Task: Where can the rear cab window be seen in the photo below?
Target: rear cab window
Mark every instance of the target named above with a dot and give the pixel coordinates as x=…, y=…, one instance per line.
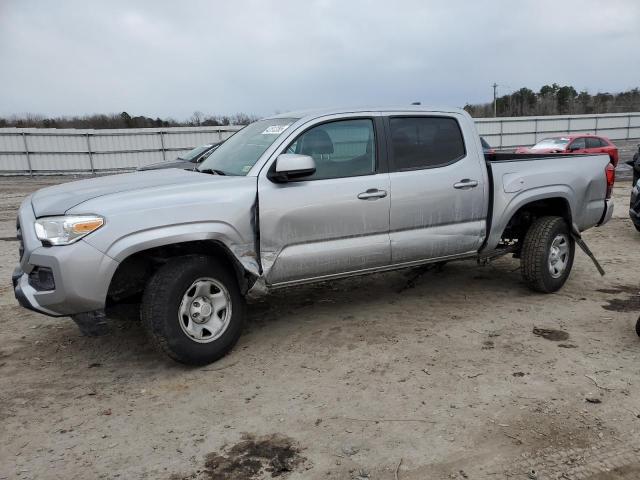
x=425, y=142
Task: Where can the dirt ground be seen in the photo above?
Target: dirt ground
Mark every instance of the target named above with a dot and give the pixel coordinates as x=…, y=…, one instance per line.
x=453, y=374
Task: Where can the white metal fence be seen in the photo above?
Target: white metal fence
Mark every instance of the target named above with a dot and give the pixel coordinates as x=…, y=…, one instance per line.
x=47, y=150
x=42, y=150
x=514, y=131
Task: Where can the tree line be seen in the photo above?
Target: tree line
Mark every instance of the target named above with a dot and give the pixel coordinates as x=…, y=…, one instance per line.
x=549, y=100
x=123, y=120
x=557, y=100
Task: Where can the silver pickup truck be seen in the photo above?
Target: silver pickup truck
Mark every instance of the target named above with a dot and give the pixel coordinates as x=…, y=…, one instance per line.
x=300, y=197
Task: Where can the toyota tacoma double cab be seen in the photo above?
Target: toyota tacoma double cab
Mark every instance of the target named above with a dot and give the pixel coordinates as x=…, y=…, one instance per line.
x=301, y=197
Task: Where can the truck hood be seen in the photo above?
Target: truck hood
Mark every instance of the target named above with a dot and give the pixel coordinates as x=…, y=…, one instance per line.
x=58, y=199
x=182, y=164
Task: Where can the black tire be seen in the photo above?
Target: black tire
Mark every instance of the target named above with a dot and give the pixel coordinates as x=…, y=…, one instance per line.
x=637, y=225
x=536, y=249
x=159, y=310
x=638, y=327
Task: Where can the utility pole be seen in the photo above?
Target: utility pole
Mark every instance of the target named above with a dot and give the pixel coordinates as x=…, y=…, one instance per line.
x=495, y=110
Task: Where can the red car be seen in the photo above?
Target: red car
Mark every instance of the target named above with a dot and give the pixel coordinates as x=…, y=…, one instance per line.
x=574, y=144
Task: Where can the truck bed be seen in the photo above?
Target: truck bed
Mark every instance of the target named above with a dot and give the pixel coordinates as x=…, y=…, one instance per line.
x=519, y=179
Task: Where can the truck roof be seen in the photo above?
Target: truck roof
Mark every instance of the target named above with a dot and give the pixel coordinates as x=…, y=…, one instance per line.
x=321, y=112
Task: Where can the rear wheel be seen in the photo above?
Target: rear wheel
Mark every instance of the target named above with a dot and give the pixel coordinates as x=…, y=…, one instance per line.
x=193, y=310
x=547, y=254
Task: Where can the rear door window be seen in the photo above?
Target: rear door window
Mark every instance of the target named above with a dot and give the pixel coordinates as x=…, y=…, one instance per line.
x=425, y=142
x=593, y=142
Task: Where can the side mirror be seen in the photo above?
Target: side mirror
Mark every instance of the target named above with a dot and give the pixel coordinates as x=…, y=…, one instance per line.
x=291, y=166
x=573, y=148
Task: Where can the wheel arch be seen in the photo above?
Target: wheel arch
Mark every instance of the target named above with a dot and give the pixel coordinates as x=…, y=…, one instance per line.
x=522, y=210
x=135, y=269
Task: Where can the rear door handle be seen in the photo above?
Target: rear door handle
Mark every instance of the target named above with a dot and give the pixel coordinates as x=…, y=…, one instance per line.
x=372, y=194
x=465, y=183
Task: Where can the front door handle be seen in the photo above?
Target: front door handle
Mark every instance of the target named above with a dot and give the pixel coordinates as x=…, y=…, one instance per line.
x=465, y=183
x=372, y=194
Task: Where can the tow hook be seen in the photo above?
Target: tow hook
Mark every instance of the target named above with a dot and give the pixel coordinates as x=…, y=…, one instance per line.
x=581, y=243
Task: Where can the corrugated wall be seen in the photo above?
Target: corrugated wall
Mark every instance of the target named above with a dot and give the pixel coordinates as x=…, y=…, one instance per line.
x=515, y=131
x=25, y=150
x=32, y=150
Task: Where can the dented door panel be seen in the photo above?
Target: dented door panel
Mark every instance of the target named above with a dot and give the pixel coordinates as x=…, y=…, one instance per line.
x=319, y=228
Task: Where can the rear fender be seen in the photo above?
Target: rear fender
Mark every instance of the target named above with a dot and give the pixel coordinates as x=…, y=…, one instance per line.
x=510, y=204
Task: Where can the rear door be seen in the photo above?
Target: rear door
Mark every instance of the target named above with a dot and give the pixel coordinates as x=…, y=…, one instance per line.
x=594, y=145
x=438, y=188
x=336, y=220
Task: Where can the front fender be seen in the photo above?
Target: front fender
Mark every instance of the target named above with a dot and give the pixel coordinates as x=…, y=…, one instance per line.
x=222, y=232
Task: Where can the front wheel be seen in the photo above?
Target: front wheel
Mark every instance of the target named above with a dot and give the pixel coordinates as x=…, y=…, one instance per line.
x=547, y=254
x=192, y=309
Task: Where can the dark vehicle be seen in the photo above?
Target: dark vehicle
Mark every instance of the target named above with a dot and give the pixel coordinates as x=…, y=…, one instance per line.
x=187, y=161
x=634, y=163
x=634, y=204
x=486, y=148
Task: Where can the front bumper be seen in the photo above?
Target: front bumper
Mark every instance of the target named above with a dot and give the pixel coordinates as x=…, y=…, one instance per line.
x=81, y=273
x=25, y=293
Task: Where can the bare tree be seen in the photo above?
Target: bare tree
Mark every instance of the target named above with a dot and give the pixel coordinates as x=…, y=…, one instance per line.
x=196, y=118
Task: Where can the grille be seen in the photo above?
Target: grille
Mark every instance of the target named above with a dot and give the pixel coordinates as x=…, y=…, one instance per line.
x=19, y=237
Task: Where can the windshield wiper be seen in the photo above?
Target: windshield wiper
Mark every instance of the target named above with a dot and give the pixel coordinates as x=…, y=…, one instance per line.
x=212, y=171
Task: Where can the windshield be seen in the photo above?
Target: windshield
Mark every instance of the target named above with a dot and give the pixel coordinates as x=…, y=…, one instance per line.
x=557, y=142
x=240, y=152
x=195, y=153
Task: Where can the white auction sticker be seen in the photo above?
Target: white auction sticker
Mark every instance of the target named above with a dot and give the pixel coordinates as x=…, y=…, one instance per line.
x=275, y=129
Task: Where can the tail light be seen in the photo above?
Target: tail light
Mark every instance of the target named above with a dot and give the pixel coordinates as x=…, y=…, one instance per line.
x=610, y=172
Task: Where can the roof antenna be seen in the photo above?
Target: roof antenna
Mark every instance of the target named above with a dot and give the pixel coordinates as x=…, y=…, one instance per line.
x=416, y=103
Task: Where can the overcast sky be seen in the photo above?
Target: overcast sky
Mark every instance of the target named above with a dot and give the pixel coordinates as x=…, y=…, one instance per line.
x=170, y=58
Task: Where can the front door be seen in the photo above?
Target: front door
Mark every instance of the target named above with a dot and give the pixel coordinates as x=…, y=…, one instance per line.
x=334, y=221
x=579, y=145
x=438, y=199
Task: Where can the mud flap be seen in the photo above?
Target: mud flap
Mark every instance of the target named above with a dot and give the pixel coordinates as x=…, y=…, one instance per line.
x=92, y=324
x=581, y=243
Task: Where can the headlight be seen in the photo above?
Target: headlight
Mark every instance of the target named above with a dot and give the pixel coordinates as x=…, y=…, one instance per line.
x=66, y=230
